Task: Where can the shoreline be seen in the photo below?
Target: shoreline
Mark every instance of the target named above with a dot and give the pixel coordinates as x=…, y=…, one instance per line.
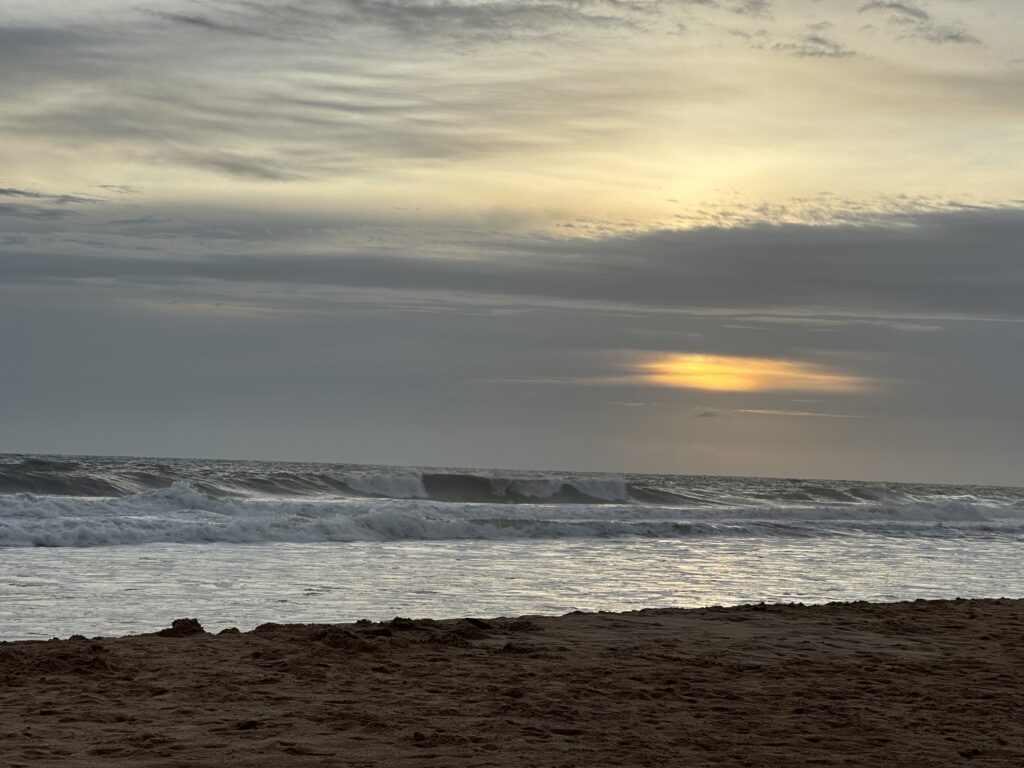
x=927, y=682
x=193, y=626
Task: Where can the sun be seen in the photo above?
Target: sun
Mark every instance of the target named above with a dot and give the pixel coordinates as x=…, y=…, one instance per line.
x=723, y=373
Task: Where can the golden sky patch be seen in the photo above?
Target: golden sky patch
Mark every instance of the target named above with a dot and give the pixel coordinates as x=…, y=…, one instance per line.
x=722, y=373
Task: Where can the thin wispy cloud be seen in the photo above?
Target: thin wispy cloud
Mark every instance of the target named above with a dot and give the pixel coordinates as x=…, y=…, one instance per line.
x=29, y=194
x=203, y=22
x=904, y=10
x=815, y=46
x=486, y=21
x=911, y=21
x=798, y=414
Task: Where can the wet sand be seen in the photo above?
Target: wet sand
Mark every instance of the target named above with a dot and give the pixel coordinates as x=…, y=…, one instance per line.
x=932, y=683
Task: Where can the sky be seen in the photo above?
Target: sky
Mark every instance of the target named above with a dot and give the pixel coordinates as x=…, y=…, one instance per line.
x=732, y=237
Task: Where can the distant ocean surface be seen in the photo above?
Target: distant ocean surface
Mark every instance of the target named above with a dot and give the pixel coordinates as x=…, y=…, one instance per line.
x=105, y=545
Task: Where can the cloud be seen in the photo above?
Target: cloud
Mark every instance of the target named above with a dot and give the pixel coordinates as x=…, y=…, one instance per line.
x=757, y=8
x=724, y=413
x=815, y=46
x=14, y=210
x=325, y=89
x=913, y=22
x=703, y=412
x=43, y=197
x=800, y=414
x=41, y=206
x=119, y=189
x=904, y=10
x=234, y=164
x=203, y=22
x=946, y=33
x=462, y=21
x=914, y=269
x=326, y=108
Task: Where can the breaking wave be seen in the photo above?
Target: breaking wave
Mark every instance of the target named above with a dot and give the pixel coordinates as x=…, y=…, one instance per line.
x=119, y=478
x=462, y=487
x=184, y=513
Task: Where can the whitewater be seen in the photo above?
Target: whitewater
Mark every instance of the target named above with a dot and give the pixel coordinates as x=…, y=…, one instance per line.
x=112, y=545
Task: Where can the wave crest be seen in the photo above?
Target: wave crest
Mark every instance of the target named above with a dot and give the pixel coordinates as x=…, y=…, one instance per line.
x=184, y=513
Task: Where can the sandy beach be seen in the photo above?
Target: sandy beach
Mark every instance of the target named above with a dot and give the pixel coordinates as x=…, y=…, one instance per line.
x=913, y=684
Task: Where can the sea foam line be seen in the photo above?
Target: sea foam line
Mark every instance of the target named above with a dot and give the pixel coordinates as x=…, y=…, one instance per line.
x=184, y=514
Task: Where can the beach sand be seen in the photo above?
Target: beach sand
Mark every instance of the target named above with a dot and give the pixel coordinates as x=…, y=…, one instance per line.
x=910, y=684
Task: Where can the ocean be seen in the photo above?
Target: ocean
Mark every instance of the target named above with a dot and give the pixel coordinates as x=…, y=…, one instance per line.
x=111, y=546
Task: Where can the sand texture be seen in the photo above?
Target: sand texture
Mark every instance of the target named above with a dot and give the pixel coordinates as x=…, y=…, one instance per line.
x=909, y=684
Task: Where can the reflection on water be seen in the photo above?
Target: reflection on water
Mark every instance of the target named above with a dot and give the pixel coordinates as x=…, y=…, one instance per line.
x=130, y=589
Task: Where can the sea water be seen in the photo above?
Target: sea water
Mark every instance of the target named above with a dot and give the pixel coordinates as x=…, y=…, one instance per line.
x=113, y=545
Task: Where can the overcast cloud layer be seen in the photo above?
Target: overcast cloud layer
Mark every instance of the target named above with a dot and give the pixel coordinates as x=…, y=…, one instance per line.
x=456, y=233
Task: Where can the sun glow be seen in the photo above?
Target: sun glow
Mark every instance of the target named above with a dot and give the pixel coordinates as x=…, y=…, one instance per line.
x=720, y=373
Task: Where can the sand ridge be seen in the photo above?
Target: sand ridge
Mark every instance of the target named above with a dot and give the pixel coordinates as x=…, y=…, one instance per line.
x=925, y=683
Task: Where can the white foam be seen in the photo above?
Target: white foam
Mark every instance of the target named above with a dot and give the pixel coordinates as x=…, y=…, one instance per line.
x=183, y=514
